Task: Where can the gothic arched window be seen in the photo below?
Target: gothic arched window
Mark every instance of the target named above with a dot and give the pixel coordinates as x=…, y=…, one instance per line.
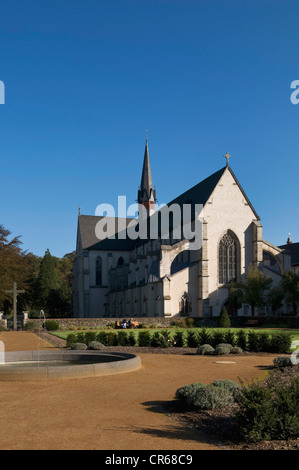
x=98, y=271
x=228, y=258
x=185, y=305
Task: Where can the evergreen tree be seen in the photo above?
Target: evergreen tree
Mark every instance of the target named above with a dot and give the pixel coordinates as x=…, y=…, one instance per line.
x=47, y=280
x=224, y=321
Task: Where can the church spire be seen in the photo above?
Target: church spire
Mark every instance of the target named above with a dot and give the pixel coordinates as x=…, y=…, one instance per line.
x=147, y=193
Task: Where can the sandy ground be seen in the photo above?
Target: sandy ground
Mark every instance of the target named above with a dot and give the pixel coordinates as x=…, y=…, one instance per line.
x=118, y=412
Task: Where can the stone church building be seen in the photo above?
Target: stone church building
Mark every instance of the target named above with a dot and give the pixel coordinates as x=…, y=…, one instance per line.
x=122, y=277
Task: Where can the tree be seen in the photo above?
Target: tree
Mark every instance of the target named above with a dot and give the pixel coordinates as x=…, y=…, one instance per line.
x=275, y=298
x=235, y=297
x=47, y=279
x=254, y=287
x=13, y=265
x=290, y=286
x=224, y=321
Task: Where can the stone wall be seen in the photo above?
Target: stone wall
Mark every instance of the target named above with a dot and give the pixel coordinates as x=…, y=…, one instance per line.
x=70, y=323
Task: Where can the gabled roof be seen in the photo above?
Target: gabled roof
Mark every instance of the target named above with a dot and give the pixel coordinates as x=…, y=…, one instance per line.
x=201, y=192
x=198, y=194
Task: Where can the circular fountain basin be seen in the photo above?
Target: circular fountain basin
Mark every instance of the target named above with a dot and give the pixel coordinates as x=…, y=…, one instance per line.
x=54, y=365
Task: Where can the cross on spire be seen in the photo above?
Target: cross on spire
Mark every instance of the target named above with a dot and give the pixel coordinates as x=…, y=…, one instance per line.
x=227, y=156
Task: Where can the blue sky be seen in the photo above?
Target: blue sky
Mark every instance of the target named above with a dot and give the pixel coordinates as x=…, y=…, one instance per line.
x=85, y=79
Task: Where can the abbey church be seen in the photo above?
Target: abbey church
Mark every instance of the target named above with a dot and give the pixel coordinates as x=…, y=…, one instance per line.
x=161, y=276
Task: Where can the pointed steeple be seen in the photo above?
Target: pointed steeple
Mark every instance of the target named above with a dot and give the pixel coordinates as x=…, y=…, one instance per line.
x=147, y=193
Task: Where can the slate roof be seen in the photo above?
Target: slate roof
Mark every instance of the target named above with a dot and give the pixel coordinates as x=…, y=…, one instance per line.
x=86, y=228
x=198, y=194
x=293, y=250
x=146, y=191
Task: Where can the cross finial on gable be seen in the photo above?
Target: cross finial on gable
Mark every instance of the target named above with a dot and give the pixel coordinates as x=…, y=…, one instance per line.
x=227, y=156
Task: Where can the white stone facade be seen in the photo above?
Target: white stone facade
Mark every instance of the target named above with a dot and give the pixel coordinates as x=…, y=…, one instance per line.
x=160, y=278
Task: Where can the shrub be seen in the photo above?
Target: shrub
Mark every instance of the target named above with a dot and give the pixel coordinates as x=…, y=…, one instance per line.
x=122, y=338
x=178, y=339
x=81, y=338
x=225, y=345
x=189, y=322
x=203, y=336
x=31, y=326
x=111, y=338
x=184, y=392
x=218, y=337
x=70, y=340
x=227, y=384
x=155, y=340
x=79, y=346
x=205, y=349
x=281, y=343
x=253, y=341
x=269, y=411
x=242, y=339
x=236, y=350
x=90, y=336
x=132, y=339
x=51, y=325
x=283, y=361
x=230, y=337
x=144, y=338
x=96, y=346
x=161, y=339
x=102, y=337
x=223, y=320
x=192, y=339
x=222, y=349
x=211, y=397
x=264, y=342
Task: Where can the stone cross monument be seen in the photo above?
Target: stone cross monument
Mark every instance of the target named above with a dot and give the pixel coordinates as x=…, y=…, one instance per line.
x=15, y=292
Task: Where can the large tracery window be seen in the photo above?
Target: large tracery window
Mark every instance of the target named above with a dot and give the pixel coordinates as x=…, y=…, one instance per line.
x=227, y=259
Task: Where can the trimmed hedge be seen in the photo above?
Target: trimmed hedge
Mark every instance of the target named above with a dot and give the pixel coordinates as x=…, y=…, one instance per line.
x=247, y=340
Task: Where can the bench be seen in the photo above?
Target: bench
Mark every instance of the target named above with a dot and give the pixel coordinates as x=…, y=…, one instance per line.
x=134, y=324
